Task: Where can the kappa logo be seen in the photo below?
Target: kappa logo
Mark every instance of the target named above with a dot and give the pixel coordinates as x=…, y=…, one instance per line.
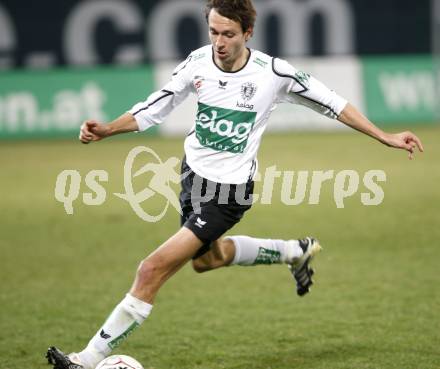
x=200, y=223
x=222, y=84
x=248, y=91
x=244, y=105
x=104, y=335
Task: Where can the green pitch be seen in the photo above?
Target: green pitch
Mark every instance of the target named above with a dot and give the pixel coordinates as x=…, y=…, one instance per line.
x=375, y=303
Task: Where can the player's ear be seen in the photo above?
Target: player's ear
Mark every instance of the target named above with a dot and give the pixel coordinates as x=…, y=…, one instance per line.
x=248, y=34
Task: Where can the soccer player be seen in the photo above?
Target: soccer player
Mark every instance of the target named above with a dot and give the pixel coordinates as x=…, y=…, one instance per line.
x=237, y=89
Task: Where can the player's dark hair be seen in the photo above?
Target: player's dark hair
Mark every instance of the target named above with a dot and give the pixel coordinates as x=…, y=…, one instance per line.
x=241, y=11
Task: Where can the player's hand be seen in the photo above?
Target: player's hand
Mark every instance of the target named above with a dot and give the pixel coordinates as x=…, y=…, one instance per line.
x=405, y=140
x=93, y=131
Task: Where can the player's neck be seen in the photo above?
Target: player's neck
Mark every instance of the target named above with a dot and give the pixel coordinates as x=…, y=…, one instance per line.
x=236, y=64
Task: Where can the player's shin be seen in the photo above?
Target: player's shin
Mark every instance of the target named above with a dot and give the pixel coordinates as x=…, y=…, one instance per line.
x=125, y=318
x=255, y=251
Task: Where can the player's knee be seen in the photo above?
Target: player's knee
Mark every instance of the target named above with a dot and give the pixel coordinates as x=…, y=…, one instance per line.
x=147, y=271
x=200, y=266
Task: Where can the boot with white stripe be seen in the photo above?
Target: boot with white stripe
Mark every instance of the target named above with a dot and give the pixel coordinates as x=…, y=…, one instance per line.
x=300, y=267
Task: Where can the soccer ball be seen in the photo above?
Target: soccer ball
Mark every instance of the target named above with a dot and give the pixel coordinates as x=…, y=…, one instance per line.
x=119, y=362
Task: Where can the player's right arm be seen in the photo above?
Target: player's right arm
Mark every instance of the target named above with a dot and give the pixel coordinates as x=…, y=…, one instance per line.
x=92, y=130
x=146, y=114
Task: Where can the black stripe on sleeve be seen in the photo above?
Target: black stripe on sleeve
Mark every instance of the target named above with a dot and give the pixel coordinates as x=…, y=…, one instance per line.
x=187, y=61
x=305, y=89
x=289, y=76
x=319, y=103
x=166, y=94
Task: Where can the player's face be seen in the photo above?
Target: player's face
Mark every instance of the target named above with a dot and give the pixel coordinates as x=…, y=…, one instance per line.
x=227, y=38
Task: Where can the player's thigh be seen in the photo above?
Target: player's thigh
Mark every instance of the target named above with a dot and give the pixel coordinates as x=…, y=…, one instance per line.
x=164, y=262
x=176, y=251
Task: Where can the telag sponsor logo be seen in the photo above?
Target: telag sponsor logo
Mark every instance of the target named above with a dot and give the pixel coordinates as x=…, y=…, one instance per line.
x=244, y=105
x=223, y=129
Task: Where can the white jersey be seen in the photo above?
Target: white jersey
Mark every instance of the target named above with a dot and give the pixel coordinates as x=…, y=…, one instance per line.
x=233, y=109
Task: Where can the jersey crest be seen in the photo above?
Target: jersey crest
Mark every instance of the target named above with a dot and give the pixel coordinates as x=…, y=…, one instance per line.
x=248, y=91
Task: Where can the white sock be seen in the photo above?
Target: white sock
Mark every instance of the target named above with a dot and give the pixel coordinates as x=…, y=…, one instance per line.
x=125, y=318
x=254, y=251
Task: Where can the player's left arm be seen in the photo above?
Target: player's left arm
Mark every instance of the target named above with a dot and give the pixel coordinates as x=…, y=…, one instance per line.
x=300, y=88
x=404, y=140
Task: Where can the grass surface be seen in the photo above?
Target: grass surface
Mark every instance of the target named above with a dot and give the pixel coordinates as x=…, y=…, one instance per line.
x=375, y=303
